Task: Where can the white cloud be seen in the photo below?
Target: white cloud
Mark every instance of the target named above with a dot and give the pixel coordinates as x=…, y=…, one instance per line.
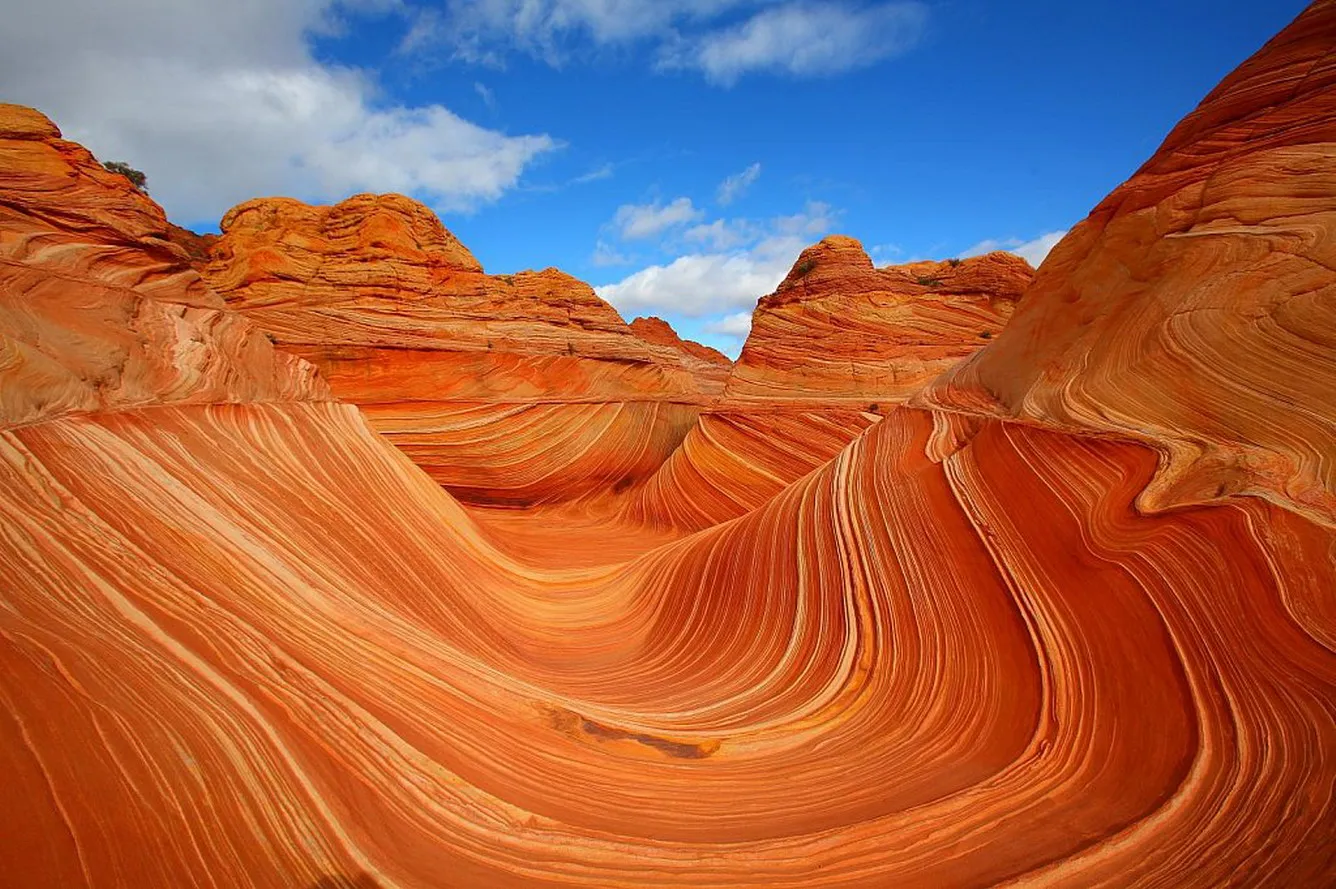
x=803, y=39
x=634, y=221
x=219, y=103
x=736, y=186
x=737, y=325
x=722, y=234
x=700, y=284
x=796, y=37
x=817, y=218
x=1032, y=252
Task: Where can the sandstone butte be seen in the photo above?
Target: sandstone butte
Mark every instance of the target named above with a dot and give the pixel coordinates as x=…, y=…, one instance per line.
x=507, y=389
x=837, y=345
x=1016, y=632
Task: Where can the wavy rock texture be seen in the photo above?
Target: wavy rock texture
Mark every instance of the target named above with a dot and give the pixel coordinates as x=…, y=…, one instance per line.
x=250, y=644
x=840, y=343
x=1193, y=309
x=511, y=389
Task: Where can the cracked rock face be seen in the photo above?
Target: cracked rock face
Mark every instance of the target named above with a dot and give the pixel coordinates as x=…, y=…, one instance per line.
x=245, y=641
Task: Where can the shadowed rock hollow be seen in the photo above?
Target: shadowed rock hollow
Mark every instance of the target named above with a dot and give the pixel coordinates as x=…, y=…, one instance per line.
x=1060, y=616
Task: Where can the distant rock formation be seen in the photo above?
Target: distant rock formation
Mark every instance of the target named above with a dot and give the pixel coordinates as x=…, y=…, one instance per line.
x=839, y=345
x=508, y=389
x=840, y=331
x=709, y=367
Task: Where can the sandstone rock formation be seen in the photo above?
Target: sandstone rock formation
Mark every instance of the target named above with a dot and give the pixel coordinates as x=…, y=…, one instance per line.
x=511, y=389
x=244, y=641
x=841, y=331
x=98, y=307
x=1193, y=309
x=709, y=367
x=835, y=348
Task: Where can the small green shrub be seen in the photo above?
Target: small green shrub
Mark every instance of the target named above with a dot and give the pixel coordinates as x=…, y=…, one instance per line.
x=804, y=268
x=929, y=282
x=953, y=262
x=986, y=334
x=137, y=179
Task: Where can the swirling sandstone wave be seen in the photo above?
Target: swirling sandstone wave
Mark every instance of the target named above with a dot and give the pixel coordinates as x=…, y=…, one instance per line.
x=470, y=373
x=253, y=644
x=1193, y=309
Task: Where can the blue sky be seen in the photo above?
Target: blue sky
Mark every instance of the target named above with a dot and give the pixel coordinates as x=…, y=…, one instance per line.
x=674, y=153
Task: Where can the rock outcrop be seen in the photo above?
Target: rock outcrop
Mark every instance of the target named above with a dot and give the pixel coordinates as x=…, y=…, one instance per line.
x=839, y=345
x=507, y=389
x=99, y=308
x=840, y=331
x=709, y=367
x=244, y=641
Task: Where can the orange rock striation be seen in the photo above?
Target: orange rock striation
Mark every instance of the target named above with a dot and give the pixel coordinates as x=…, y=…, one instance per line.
x=510, y=389
x=250, y=643
x=838, y=345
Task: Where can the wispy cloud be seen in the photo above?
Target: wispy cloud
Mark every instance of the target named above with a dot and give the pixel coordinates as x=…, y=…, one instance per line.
x=607, y=255
x=736, y=186
x=485, y=93
x=235, y=90
x=635, y=221
x=802, y=39
x=1033, y=252
x=601, y=172
x=795, y=37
